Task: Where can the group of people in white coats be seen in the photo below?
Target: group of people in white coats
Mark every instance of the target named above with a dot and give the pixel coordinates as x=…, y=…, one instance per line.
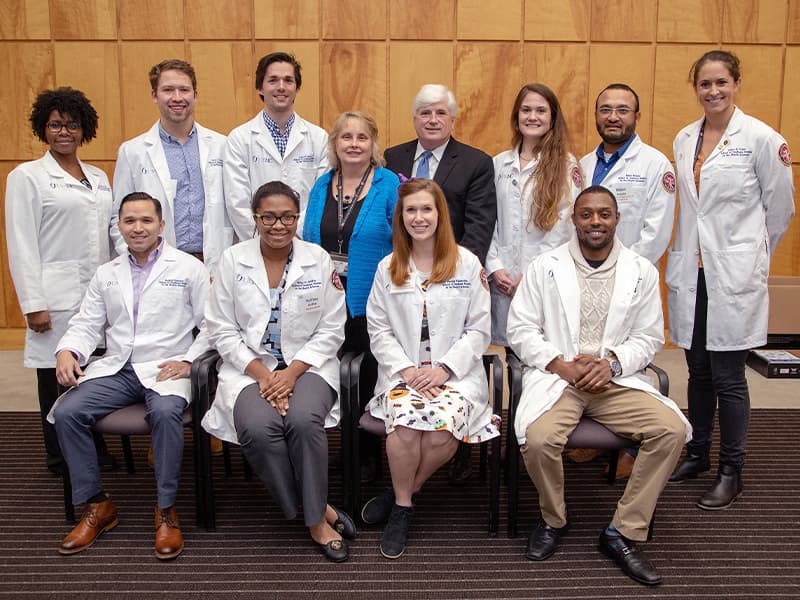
x=427, y=310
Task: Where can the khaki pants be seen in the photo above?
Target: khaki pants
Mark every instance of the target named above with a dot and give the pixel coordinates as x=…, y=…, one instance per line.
x=629, y=413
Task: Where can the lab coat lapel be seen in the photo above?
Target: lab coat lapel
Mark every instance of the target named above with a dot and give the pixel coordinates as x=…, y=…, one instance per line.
x=564, y=275
x=122, y=271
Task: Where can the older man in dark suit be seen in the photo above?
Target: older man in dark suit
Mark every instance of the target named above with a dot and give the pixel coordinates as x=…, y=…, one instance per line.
x=464, y=173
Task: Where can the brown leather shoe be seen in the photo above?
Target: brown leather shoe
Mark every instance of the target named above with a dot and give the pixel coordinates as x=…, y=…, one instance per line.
x=97, y=518
x=582, y=455
x=624, y=466
x=169, y=539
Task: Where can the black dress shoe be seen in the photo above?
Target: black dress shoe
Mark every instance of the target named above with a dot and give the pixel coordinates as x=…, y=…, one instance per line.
x=543, y=541
x=334, y=551
x=630, y=559
x=377, y=510
x=724, y=491
x=343, y=525
x=690, y=468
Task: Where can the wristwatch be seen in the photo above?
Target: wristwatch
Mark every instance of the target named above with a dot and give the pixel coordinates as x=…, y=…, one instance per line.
x=616, y=367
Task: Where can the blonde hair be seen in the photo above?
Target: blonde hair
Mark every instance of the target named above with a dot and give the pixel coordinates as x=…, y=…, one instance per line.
x=372, y=128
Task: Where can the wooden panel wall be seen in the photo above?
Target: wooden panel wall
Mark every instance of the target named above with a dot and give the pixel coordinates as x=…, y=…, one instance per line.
x=374, y=56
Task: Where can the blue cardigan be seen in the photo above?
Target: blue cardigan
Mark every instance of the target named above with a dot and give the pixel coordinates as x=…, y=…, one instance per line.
x=372, y=232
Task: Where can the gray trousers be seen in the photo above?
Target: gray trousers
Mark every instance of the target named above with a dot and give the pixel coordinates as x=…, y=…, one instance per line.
x=289, y=454
x=92, y=400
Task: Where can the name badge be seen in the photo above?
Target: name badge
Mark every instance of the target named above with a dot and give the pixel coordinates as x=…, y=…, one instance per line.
x=340, y=263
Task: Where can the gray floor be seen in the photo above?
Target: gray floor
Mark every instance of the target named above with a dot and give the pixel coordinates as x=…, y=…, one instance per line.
x=19, y=384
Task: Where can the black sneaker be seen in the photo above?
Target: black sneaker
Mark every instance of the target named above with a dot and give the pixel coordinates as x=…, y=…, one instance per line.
x=378, y=509
x=395, y=534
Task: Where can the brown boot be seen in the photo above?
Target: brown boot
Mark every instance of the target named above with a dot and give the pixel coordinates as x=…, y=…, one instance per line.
x=169, y=539
x=624, y=466
x=97, y=518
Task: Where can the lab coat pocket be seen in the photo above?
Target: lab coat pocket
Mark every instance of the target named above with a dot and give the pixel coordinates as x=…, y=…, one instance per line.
x=301, y=314
x=62, y=285
x=739, y=272
x=675, y=270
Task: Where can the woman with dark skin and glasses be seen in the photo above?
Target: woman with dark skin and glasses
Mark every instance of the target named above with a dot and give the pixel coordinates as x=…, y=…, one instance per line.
x=58, y=211
x=276, y=316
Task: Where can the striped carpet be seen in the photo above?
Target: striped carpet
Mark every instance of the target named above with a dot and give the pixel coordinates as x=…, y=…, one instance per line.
x=750, y=551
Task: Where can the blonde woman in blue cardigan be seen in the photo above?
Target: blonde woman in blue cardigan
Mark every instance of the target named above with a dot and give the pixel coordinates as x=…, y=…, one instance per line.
x=349, y=214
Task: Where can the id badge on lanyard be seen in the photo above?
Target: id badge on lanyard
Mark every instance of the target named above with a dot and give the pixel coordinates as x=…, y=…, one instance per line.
x=339, y=263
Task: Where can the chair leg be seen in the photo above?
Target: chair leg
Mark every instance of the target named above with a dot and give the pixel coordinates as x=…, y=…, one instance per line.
x=127, y=452
x=613, y=459
x=226, y=459
x=494, y=488
x=69, y=508
x=512, y=460
x=650, y=527
x=484, y=461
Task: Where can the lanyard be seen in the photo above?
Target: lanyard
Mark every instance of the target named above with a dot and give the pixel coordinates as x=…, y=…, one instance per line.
x=699, y=144
x=282, y=284
x=343, y=214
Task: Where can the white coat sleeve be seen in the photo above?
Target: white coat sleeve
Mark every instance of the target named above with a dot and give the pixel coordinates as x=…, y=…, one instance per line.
x=236, y=184
x=659, y=213
x=646, y=335
x=493, y=262
x=199, y=297
x=384, y=345
x=328, y=336
x=86, y=328
x=777, y=188
x=526, y=323
x=123, y=185
x=224, y=332
x=23, y=215
x=466, y=353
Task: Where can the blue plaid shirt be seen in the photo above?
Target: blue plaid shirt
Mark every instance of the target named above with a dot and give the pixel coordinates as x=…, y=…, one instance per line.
x=190, y=198
x=280, y=139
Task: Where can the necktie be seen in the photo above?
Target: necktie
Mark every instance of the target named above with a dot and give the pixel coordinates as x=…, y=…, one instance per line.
x=423, y=172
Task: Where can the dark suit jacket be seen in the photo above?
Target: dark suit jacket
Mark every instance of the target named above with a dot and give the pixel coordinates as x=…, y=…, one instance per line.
x=466, y=175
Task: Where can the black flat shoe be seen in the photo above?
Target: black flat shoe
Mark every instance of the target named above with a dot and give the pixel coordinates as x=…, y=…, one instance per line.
x=334, y=551
x=343, y=525
x=690, y=468
x=628, y=558
x=543, y=541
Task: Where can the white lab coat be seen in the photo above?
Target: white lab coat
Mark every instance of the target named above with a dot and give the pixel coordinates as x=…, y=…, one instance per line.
x=57, y=233
x=170, y=307
x=544, y=323
x=643, y=182
x=458, y=322
x=312, y=323
x=745, y=204
x=517, y=241
x=142, y=167
x=252, y=159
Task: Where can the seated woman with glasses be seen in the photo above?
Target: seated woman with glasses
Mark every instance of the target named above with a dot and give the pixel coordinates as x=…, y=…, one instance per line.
x=429, y=324
x=276, y=316
x=349, y=213
x=58, y=210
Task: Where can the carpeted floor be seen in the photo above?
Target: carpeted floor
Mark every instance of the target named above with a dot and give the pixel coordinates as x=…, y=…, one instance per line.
x=750, y=551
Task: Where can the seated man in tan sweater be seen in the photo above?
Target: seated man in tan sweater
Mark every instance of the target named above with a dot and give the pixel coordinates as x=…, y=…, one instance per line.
x=585, y=322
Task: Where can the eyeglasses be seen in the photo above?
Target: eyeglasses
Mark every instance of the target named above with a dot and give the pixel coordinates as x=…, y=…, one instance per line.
x=607, y=111
x=270, y=219
x=56, y=126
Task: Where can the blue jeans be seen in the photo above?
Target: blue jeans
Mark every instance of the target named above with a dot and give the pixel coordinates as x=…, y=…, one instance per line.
x=92, y=400
x=716, y=378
